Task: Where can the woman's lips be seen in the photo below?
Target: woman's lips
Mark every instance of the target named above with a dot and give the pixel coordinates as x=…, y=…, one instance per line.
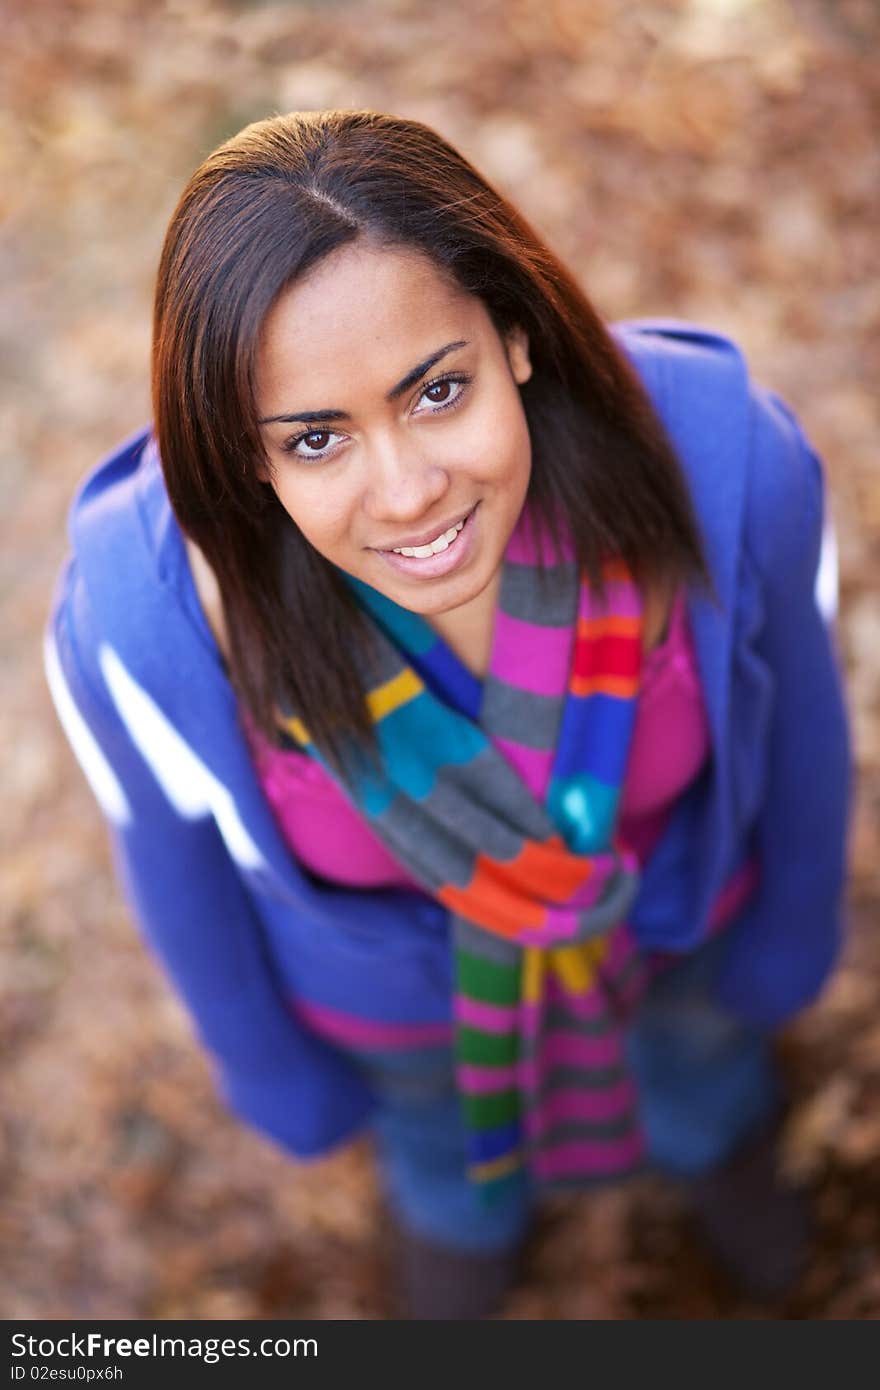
x=444, y=562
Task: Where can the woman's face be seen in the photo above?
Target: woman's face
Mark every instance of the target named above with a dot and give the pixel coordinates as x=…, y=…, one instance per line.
x=391, y=413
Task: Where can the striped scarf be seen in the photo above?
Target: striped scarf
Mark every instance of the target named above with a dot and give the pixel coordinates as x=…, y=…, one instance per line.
x=507, y=816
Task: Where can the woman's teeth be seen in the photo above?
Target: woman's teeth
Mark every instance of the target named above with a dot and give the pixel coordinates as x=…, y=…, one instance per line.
x=441, y=543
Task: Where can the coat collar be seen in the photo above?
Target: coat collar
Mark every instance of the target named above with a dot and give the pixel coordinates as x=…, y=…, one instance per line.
x=698, y=384
x=126, y=538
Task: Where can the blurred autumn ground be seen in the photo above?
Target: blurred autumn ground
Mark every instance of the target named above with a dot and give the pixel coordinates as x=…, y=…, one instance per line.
x=716, y=160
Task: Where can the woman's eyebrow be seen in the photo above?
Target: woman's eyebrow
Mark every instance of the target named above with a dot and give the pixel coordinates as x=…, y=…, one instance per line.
x=311, y=416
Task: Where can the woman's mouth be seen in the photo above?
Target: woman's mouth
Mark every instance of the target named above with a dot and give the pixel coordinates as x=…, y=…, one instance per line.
x=443, y=541
x=444, y=554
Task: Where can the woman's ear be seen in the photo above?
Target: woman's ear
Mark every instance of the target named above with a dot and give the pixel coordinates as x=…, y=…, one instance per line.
x=263, y=470
x=517, y=344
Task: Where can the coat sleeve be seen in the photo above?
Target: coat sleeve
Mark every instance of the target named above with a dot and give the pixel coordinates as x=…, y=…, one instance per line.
x=196, y=916
x=784, y=946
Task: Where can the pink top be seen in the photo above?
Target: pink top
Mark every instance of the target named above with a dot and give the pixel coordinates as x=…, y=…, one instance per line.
x=670, y=744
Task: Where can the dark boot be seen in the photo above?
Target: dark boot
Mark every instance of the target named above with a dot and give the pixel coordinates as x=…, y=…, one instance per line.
x=758, y=1228
x=435, y=1282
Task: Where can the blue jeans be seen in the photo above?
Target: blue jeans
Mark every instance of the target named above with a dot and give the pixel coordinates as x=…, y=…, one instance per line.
x=705, y=1080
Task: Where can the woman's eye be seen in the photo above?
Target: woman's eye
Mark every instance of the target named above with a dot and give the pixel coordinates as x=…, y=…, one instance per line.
x=445, y=392
x=440, y=391
x=314, y=444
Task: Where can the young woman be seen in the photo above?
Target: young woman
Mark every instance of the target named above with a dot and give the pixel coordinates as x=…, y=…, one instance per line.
x=450, y=668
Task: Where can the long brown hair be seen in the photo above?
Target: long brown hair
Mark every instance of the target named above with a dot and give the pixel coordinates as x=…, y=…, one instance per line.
x=262, y=210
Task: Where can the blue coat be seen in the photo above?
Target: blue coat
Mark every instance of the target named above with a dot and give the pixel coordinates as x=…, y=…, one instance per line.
x=241, y=929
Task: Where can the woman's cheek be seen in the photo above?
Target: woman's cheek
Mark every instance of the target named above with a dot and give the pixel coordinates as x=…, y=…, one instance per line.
x=505, y=445
x=316, y=508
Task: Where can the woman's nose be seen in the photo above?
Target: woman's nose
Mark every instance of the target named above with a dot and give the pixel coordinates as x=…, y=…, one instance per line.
x=402, y=485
